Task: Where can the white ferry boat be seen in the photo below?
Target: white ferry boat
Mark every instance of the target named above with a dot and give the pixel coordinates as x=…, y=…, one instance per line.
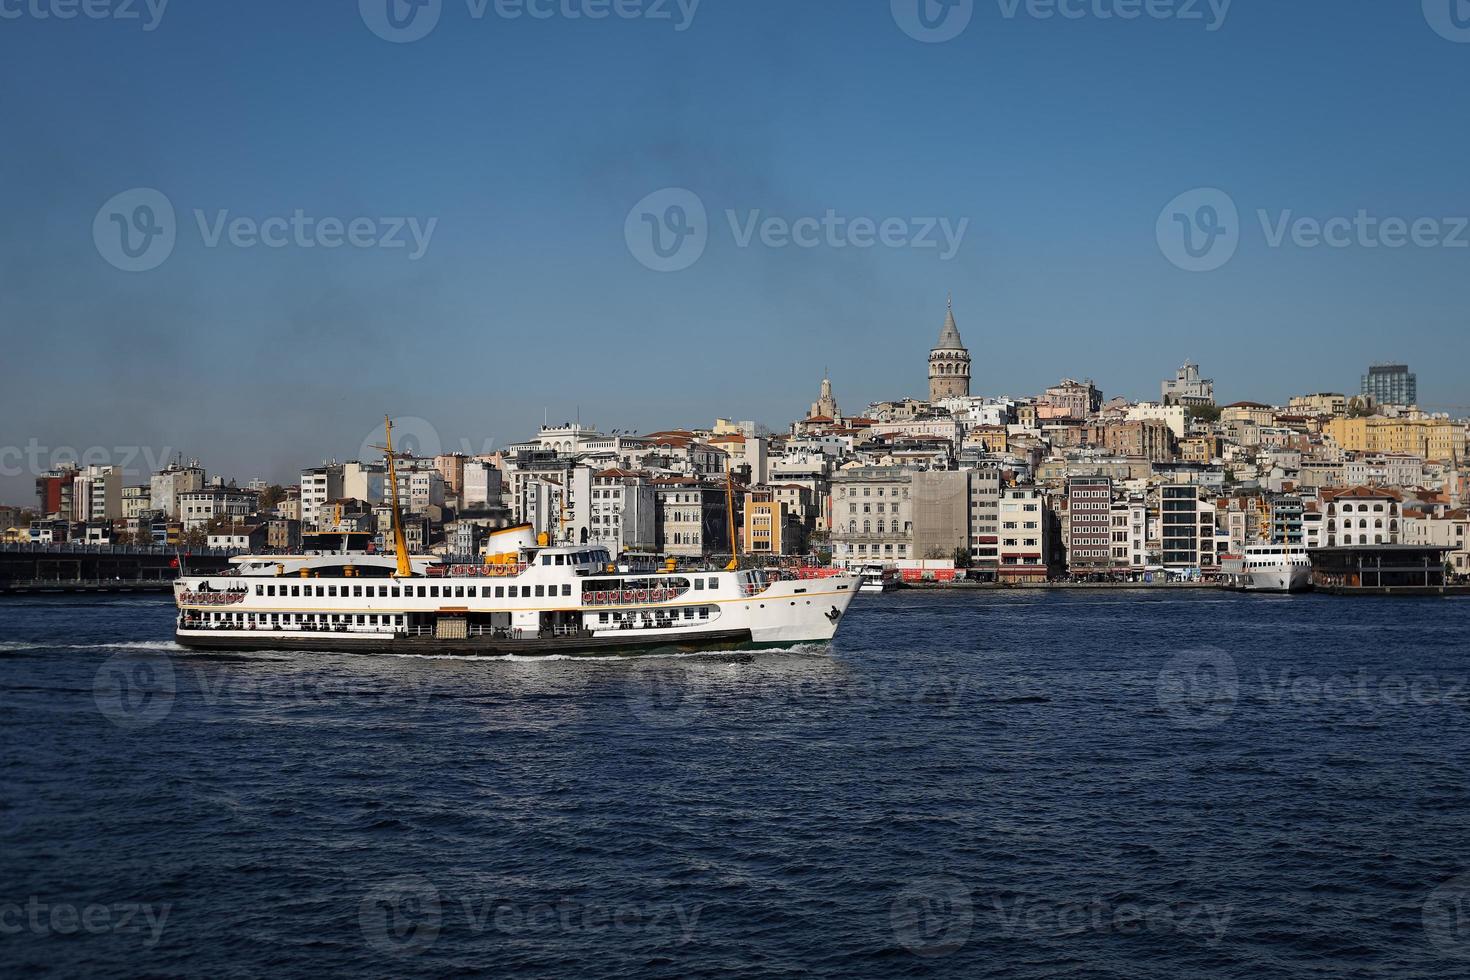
x=878, y=578
x=526, y=598
x=1268, y=568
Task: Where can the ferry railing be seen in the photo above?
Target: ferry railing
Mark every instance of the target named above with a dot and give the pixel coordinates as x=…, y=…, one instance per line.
x=631, y=597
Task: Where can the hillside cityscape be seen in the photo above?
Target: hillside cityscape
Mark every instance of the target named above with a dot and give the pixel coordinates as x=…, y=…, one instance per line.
x=1067, y=483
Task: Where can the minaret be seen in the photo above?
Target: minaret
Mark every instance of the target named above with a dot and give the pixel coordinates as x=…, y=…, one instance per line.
x=949, y=362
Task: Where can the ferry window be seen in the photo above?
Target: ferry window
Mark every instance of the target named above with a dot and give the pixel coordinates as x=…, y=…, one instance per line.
x=602, y=617
x=561, y=559
x=473, y=591
x=270, y=590
x=295, y=591
x=359, y=621
x=546, y=559
x=704, y=612
x=423, y=591
x=500, y=592
x=514, y=591
x=434, y=591
x=699, y=584
x=714, y=583
x=332, y=590
x=372, y=620
x=688, y=613
x=459, y=591
x=396, y=591
x=566, y=590
x=260, y=590
x=357, y=592
x=540, y=591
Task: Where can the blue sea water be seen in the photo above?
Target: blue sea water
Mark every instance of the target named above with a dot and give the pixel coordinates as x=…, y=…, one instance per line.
x=1130, y=784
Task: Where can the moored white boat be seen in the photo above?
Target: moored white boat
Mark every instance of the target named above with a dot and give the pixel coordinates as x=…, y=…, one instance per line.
x=878, y=578
x=1268, y=568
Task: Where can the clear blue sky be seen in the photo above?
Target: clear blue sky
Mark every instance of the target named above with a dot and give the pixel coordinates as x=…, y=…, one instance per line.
x=529, y=141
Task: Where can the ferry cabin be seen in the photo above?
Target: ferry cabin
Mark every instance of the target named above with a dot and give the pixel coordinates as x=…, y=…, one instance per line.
x=549, y=592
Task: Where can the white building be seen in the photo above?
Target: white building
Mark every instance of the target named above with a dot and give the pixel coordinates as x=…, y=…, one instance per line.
x=97, y=494
x=482, y=485
x=1188, y=388
x=319, y=486
x=199, y=507
x=166, y=485
x=1172, y=415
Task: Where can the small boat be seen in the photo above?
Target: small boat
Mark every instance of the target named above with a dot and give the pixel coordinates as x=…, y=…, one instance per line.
x=1268, y=568
x=878, y=578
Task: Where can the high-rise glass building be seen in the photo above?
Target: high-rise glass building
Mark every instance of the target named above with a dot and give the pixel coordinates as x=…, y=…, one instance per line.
x=1391, y=384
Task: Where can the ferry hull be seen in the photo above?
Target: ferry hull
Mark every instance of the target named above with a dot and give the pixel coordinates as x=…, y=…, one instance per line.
x=1279, y=580
x=586, y=646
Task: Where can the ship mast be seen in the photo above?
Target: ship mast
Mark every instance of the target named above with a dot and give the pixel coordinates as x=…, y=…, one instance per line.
x=734, y=565
x=400, y=540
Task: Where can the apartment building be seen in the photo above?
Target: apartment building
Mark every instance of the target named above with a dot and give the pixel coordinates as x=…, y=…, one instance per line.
x=1089, y=525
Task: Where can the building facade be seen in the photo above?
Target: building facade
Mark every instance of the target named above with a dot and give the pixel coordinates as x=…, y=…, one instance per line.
x=1391, y=384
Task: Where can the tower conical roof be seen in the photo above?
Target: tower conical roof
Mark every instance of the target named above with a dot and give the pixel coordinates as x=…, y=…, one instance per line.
x=949, y=337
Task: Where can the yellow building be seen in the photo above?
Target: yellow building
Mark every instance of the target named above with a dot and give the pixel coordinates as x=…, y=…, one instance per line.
x=765, y=520
x=1432, y=439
